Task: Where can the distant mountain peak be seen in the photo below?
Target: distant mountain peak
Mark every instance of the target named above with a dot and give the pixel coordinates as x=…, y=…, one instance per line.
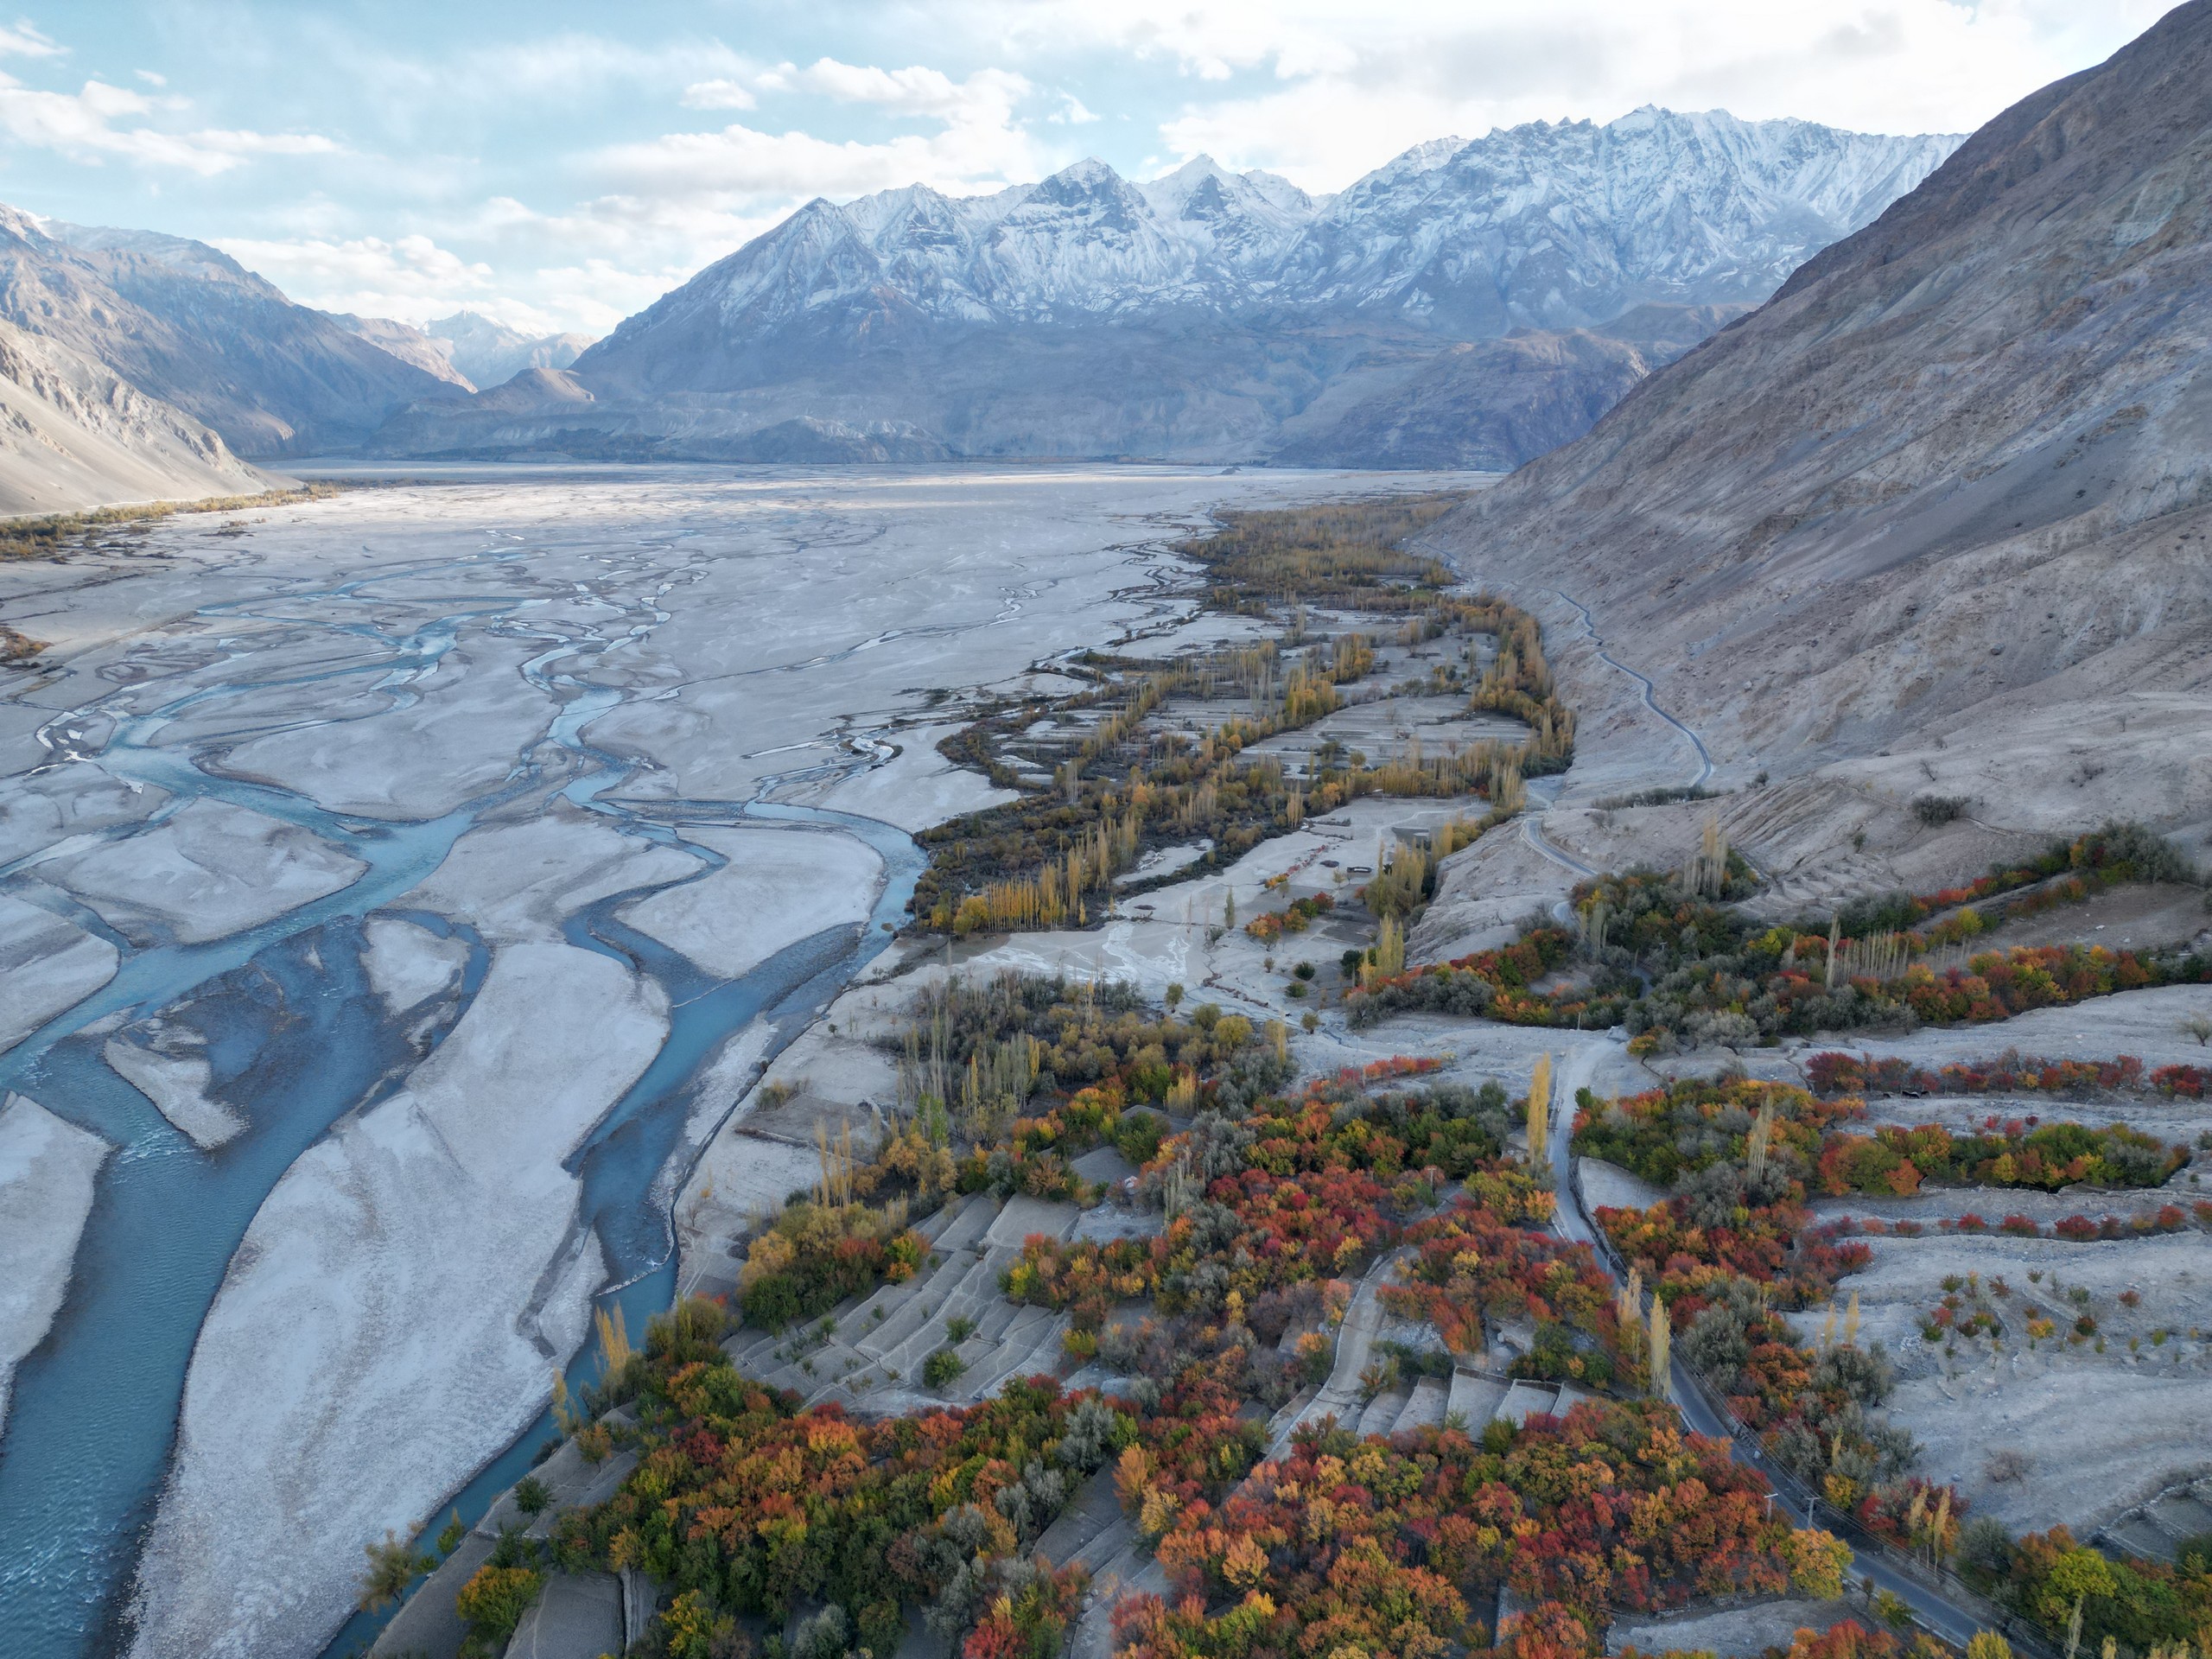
x=490, y=352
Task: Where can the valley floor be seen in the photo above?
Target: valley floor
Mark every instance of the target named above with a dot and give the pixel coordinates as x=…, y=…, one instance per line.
x=408, y=882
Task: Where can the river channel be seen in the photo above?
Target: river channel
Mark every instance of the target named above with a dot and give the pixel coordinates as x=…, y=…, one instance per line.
x=673, y=657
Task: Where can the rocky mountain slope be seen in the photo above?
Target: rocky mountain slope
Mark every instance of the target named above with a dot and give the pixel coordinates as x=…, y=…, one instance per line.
x=1214, y=315
x=1490, y=404
x=191, y=327
x=1937, y=519
x=73, y=433
x=408, y=344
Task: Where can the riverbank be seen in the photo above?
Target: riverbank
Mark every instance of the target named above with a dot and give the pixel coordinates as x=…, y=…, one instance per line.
x=522, y=705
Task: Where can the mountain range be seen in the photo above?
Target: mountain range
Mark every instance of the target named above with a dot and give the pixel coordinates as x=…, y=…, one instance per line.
x=1470, y=304
x=136, y=365
x=1936, y=520
x=1219, y=316
x=187, y=324
x=468, y=349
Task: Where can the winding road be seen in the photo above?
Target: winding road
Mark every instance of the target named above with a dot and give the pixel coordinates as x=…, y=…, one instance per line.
x=1650, y=700
x=1937, y=1612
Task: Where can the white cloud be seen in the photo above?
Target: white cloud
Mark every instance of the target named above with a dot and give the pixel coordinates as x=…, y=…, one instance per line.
x=987, y=94
x=410, y=277
x=1340, y=90
x=227, y=142
x=747, y=171
x=83, y=125
x=152, y=79
x=573, y=67
x=1073, y=113
x=717, y=95
x=24, y=41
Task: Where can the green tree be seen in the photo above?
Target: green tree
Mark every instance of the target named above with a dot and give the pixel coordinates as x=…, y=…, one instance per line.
x=694, y=1629
x=494, y=1602
x=2075, y=1576
x=393, y=1565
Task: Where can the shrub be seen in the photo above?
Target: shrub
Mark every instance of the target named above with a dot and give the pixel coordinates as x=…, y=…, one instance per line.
x=531, y=1496
x=815, y=1255
x=942, y=1366
x=1934, y=809
x=493, y=1601
x=393, y=1565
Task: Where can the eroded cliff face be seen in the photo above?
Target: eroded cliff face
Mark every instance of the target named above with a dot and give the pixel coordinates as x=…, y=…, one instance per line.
x=1939, y=516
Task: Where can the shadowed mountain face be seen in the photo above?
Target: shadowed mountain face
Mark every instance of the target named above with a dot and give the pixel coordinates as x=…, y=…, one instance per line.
x=189, y=325
x=1209, y=314
x=1489, y=405
x=1950, y=488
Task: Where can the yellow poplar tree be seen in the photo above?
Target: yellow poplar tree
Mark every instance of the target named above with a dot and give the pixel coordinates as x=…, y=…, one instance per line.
x=1540, y=1114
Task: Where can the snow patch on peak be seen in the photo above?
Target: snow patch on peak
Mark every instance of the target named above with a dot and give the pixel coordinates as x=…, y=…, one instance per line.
x=1548, y=224
x=1089, y=174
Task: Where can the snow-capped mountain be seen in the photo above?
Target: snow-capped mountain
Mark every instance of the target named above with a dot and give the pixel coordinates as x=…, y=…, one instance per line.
x=1207, y=314
x=1564, y=225
x=1569, y=224
x=490, y=353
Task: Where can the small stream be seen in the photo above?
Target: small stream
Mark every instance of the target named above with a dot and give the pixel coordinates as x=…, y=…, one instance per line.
x=298, y=1038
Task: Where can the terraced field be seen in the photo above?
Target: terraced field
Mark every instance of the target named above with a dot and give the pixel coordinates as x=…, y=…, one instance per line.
x=864, y=1348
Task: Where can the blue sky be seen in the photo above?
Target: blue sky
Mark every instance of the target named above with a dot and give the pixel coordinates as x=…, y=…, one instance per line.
x=559, y=165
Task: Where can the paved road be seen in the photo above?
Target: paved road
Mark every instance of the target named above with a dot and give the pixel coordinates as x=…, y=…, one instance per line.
x=1954, y=1624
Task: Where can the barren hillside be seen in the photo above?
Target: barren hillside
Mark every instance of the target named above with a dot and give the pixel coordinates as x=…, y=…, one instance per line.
x=1935, y=519
x=73, y=433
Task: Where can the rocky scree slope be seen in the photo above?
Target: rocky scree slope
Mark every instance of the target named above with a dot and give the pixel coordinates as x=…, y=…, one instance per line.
x=73, y=433
x=191, y=327
x=1211, y=314
x=1938, y=517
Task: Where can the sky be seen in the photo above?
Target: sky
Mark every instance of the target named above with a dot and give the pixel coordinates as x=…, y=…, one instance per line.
x=559, y=165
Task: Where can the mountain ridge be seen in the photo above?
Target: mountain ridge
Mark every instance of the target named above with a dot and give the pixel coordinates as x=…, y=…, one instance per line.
x=1937, y=516
x=187, y=325
x=73, y=433
x=1422, y=237
x=1211, y=316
